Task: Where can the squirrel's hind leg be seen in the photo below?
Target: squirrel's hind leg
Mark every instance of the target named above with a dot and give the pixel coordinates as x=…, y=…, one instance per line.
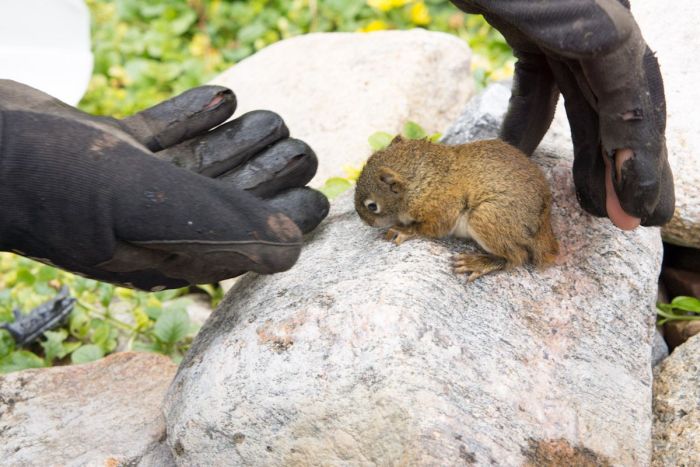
x=477, y=264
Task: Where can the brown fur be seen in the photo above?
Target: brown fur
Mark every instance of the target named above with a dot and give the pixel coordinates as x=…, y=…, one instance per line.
x=423, y=188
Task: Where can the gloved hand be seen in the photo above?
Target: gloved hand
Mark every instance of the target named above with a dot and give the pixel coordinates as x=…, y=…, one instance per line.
x=100, y=196
x=593, y=53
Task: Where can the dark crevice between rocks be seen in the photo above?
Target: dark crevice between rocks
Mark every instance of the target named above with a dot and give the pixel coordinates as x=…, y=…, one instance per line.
x=680, y=276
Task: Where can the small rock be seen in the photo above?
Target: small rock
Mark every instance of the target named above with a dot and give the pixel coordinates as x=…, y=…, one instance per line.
x=676, y=435
x=482, y=116
x=102, y=413
x=671, y=33
x=335, y=89
x=677, y=332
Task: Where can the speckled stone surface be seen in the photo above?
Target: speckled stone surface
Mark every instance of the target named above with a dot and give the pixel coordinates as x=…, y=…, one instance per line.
x=366, y=353
x=677, y=407
x=335, y=89
x=105, y=413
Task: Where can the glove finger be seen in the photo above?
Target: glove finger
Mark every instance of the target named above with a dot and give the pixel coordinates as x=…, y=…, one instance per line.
x=532, y=103
x=177, y=226
x=589, y=166
x=663, y=212
x=287, y=164
x=182, y=117
x=305, y=206
x=633, y=118
x=229, y=145
x=533, y=94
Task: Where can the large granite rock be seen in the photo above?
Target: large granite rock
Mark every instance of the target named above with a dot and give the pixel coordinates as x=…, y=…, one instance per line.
x=102, y=413
x=673, y=34
x=335, y=89
x=370, y=354
x=677, y=407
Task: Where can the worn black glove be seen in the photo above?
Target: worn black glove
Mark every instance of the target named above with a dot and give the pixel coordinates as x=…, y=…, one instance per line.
x=100, y=196
x=593, y=53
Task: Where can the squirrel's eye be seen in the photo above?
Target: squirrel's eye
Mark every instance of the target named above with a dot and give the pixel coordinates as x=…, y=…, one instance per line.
x=372, y=206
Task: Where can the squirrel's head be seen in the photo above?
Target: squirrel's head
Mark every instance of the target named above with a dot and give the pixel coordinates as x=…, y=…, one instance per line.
x=380, y=191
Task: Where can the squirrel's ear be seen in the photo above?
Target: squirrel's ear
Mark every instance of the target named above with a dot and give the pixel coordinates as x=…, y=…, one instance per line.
x=397, y=139
x=393, y=180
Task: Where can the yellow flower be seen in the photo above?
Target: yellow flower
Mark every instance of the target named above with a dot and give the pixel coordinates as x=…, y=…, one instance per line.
x=383, y=5
x=420, y=14
x=376, y=25
x=386, y=5
x=200, y=44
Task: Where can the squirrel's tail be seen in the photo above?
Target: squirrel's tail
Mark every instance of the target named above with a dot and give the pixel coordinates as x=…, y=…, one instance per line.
x=546, y=245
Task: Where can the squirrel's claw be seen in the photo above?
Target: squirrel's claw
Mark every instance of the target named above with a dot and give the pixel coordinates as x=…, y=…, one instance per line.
x=476, y=264
x=398, y=236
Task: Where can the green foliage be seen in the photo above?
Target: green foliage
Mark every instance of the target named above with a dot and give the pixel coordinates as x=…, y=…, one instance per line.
x=7, y=343
x=680, y=309
x=379, y=140
x=55, y=345
x=335, y=186
x=87, y=353
x=20, y=360
x=411, y=130
x=414, y=131
x=147, y=51
x=103, y=315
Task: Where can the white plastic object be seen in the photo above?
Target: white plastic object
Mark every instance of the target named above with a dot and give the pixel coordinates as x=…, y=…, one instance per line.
x=46, y=44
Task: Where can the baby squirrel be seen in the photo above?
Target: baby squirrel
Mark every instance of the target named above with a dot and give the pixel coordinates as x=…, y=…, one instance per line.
x=488, y=191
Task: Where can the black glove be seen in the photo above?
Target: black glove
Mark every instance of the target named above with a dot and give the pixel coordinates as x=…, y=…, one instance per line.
x=593, y=53
x=86, y=193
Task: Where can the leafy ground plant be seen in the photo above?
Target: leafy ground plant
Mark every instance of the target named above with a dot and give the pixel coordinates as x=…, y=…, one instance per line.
x=149, y=50
x=104, y=319
x=680, y=309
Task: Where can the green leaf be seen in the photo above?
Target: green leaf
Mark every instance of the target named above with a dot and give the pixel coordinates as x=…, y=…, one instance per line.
x=46, y=273
x=25, y=276
x=165, y=295
x=251, y=32
x=180, y=25
x=172, y=325
x=87, y=353
x=69, y=347
x=335, y=186
x=6, y=315
x=686, y=304
x=148, y=347
x=7, y=343
x=79, y=324
x=379, y=140
x=412, y=130
x=53, y=345
x=435, y=137
x=20, y=360
x=101, y=333
x=105, y=337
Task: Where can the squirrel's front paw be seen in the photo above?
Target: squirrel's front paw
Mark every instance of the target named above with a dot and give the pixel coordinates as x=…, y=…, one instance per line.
x=399, y=235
